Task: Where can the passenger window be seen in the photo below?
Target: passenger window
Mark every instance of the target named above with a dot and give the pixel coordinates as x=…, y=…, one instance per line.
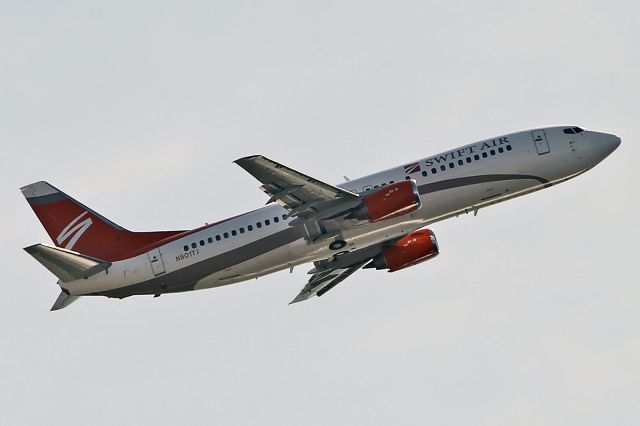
x=383, y=184
x=460, y=162
x=375, y=186
x=469, y=159
x=476, y=157
x=226, y=235
x=259, y=224
x=407, y=177
x=508, y=147
x=451, y=165
x=390, y=182
x=501, y=150
x=484, y=155
x=276, y=219
x=186, y=248
x=443, y=168
x=434, y=171
x=194, y=245
x=284, y=217
x=218, y=238
x=242, y=230
x=201, y=242
x=424, y=173
x=250, y=228
x=210, y=240
x=233, y=232
x=493, y=152
x=266, y=222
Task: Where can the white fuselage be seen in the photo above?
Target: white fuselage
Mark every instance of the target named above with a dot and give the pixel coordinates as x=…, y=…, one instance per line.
x=455, y=182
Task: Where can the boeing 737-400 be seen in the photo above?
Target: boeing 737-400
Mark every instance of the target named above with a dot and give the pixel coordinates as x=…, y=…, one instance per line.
x=379, y=221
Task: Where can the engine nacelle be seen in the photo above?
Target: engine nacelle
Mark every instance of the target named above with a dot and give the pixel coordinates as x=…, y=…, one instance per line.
x=388, y=202
x=410, y=250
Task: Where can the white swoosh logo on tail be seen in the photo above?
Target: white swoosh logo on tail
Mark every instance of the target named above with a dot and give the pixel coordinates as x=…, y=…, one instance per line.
x=76, y=230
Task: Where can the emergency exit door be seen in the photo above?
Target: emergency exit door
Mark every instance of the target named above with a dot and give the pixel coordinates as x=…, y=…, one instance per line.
x=155, y=259
x=540, y=140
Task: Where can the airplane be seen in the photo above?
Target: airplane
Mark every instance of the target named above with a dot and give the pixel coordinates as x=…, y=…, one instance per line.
x=381, y=221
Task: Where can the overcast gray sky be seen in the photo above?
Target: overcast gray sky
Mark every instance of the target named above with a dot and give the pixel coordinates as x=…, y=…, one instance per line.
x=530, y=314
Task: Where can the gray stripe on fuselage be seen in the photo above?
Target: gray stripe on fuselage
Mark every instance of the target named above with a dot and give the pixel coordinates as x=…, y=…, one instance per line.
x=473, y=180
x=184, y=279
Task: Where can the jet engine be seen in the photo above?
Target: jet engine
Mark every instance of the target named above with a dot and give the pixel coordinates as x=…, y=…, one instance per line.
x=410, y=250
x=388, y=202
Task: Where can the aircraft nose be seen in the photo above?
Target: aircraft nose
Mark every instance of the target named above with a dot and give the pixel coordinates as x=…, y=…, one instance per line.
x=611, y=142
x=603, y=144
x=616, y=142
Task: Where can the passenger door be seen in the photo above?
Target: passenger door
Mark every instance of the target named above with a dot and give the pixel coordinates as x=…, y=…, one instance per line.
x=155, y=259
x=540, y=140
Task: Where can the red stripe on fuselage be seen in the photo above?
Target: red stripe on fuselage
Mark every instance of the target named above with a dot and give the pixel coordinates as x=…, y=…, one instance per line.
x=64, y=219
x=183, y=234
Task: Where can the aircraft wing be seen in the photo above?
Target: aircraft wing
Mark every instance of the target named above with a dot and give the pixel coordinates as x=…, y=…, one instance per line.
x=301, y=195
x=328, y=273
x=321, y=282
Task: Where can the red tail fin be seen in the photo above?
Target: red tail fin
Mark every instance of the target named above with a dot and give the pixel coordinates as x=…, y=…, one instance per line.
x=73, y=226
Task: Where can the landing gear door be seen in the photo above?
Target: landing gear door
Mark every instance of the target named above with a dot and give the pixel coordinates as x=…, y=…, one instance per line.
x=540, y=139
x=155, y=259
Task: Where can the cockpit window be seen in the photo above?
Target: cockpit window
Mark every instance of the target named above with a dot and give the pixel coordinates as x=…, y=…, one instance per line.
x=573, y=130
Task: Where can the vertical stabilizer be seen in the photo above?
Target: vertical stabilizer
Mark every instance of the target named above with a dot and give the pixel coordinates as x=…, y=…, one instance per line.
x=74, y=226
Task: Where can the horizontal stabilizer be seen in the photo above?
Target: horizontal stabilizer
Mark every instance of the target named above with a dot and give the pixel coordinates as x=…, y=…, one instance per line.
x=65, y=264
x=63, y=301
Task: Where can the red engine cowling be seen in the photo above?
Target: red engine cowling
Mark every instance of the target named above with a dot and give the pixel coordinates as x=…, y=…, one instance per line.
x=407, y=251
x=388, y=202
